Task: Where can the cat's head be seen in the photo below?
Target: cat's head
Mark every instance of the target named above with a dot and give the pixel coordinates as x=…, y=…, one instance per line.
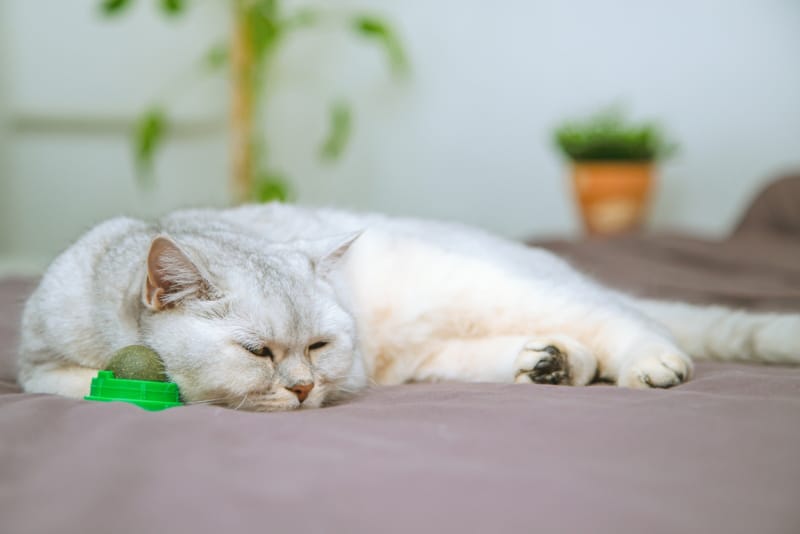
x=251, y=325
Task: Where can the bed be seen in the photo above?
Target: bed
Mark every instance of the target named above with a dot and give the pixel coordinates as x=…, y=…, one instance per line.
x=717, y=454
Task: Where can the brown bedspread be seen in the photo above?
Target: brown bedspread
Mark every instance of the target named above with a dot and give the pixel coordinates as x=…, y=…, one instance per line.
x=718, y=454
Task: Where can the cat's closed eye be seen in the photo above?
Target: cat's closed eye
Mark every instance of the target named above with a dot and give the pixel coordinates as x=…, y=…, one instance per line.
x=318, y=345
x=263, y=352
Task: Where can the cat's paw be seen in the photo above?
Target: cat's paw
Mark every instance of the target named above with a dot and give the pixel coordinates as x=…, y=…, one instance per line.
x=554, y=361
x=542, y=364
x=656, y=370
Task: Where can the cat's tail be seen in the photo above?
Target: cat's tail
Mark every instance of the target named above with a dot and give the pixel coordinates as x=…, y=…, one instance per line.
x=719, y=333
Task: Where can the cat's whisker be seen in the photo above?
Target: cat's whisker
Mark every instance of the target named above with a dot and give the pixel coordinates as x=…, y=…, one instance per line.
x=370, y=381
x=342, y=386
x=209, y=401
x=348, y=390
x=349, y=375
x=244, y=399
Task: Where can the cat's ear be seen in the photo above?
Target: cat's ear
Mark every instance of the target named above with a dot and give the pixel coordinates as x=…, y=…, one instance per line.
x=331, y=251
x=171, y=276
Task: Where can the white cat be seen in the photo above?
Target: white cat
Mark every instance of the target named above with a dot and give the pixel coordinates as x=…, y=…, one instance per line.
x=276, y=307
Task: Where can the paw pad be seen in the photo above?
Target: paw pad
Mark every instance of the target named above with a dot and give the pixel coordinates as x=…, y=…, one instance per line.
x=549, y=366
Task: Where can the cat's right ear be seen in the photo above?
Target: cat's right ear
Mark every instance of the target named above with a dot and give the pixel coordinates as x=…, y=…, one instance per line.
x=331, y=251
x=171, y=276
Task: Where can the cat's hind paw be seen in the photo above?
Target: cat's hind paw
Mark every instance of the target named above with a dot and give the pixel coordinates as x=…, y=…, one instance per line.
x=551, y=361
x=656, y=371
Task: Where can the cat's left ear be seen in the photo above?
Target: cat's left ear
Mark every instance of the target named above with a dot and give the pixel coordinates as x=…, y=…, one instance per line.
x=172, y=277
x=329, y=252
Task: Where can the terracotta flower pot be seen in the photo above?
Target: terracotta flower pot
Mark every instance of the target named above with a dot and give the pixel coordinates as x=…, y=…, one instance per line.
x=613, y=196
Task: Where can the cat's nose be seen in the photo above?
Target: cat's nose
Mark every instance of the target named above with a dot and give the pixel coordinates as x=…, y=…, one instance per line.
x=301, y=389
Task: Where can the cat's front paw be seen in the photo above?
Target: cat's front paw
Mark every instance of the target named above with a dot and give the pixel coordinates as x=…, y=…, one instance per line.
x=554, y=361
x=656, y=370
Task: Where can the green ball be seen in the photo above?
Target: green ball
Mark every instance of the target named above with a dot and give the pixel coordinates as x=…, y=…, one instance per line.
x=137, y=362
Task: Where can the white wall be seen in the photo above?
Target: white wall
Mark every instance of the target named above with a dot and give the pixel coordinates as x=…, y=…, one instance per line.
x=74, y=84
x=469, y=138
x=4, y=144
x=466, y=137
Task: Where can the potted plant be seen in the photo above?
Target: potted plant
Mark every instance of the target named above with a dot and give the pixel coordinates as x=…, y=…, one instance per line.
x=613, y=166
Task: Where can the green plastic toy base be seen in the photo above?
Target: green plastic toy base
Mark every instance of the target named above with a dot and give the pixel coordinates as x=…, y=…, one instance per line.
x=147, y=394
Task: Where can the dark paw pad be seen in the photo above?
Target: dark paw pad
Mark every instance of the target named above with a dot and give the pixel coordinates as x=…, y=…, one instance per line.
x=551, y=367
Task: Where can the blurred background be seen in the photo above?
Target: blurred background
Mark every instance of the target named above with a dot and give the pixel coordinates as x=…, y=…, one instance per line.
x=466, y=134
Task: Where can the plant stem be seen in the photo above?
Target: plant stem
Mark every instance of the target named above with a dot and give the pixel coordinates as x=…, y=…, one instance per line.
x=242, y=107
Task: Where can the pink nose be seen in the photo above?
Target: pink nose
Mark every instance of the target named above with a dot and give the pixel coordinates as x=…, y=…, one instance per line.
x=301, y=389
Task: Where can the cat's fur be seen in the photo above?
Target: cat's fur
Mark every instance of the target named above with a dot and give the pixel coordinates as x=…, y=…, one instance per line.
x=342, y=300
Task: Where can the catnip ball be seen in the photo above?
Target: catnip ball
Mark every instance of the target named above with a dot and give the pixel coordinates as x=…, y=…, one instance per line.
x=137, y=362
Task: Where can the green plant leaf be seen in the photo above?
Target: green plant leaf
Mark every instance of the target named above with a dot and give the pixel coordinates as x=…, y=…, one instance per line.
x=340, y=128
x=148, y=137
x=216, y=57
x=113, y=7
x=173, y=7
x=265, y=29
x=609, y=135
x=380, y=31
x=268, y=8
x=271, y=186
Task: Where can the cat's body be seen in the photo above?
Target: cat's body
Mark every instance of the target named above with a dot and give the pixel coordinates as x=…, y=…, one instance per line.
x=338, y=299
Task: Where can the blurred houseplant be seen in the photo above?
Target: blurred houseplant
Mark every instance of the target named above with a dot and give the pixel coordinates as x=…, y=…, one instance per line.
x=259, y=28
x=613, y=165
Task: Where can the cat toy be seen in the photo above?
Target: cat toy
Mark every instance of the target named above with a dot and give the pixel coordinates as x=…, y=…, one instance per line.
x=136, y=374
